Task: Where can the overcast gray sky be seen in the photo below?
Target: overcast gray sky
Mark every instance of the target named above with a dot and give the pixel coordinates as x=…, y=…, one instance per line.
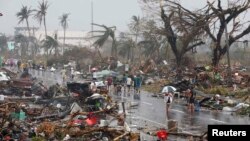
x=108, y=12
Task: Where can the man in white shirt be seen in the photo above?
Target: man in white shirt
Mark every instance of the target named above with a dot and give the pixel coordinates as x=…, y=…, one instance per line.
x=94, y=75
x=168, y=98
x=129, y=82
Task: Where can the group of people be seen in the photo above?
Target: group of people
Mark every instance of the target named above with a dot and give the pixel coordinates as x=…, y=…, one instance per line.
x=135, y=81
x=132, y=81
x=65, y=76
x=127, y=82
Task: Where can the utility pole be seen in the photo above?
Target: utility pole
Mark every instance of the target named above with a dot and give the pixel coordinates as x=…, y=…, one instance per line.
x=228, y=57
x=92, y=17
x=245, y=42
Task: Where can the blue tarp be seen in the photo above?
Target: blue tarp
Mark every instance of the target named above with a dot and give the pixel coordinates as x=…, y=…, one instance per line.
x=11, y=45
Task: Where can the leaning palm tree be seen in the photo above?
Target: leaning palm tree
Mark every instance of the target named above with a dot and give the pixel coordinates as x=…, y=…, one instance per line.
x=23, y=15
x=108, y=32
x=50, y=44
x=41, y=14
x=64, y=23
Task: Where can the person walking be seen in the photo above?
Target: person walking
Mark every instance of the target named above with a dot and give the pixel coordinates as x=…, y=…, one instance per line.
x=109, y=81
x=138, y=82
x=191, y=100
x=128, y=83
x=72, y=73
x=63, y=73
x=19, y=65
x=124, y=80
x=168, y=98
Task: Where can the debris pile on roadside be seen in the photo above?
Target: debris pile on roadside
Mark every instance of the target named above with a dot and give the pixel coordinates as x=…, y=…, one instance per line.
x=211, y=83
x=32, y=110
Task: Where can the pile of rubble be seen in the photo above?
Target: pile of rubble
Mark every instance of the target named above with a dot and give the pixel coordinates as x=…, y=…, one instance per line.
x=31, y=110
x=212, y=87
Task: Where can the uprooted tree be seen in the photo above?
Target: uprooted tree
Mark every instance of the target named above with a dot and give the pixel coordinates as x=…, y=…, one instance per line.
x=183, y=33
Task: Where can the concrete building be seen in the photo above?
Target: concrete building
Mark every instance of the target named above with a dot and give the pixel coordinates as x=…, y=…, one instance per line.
x=72, y=38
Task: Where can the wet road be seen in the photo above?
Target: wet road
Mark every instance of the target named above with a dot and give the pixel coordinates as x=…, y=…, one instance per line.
x=150, y=111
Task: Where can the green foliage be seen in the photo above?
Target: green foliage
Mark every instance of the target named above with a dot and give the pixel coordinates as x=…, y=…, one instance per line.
x=59, y=134
x=50, y=42
x=108, y=32
x=217, y=90
x=23, y=14
x=57, y=60
x=244, y=111
x=38, y=139
x=41, y=11
x=3, y=44
x=240, y=94
x=64, y=20
x=80, y=55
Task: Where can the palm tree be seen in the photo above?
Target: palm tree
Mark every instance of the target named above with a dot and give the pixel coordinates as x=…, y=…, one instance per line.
x=108, y=32
x=41, y=14
x=135, y=27
x=23, y=15
x=23, y=41
x=3, y=44
x=64, y=23
x=125, y=48
x=34, y=41
x=49, y=44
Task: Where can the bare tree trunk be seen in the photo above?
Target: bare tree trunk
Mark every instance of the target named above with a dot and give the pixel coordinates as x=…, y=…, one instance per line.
x=167, y=52
x=32, y=49
x=136, y=38
x=45, y=28
x=216, y=57
x=179, y=57
x=27, y=22
x=114, y=49
x=158, y=53
x=178, y=61
x=129, y=54
x=132, y=53
x=99, y=53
